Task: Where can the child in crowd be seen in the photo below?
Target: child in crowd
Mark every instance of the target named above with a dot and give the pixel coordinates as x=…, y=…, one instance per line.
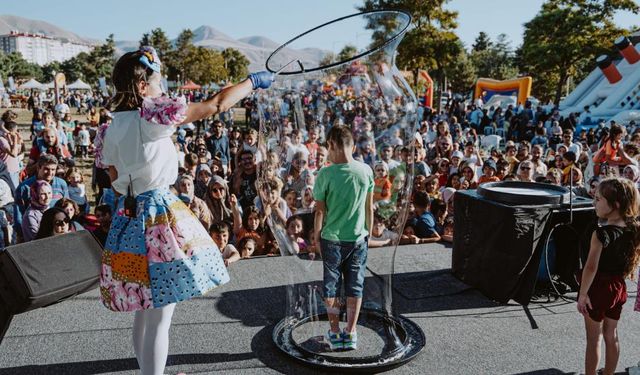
x=308, y=203
x=249, y=225
x=312, y=145
x=296, y=146
x=443, y=171
x=610, y=151
x=489, y=170
x=84, y=141
x=469, y=180
x=380, y=235
x=343, y=221
x=219, y=232
x=270, y=204
x=409, y=235
x=382, y=184
x=247, y=247
x=424, y=223
x=250, y=143
x=77, y=190
x=439, y=212
x=431, y=185
x=291, y=197
x=614, y=255
x=295, y=232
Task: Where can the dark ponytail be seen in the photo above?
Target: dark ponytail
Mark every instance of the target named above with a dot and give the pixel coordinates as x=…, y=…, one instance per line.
x=127, y=72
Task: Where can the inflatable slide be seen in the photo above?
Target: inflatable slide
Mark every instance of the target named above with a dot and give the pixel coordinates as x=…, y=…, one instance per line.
x=612, y=90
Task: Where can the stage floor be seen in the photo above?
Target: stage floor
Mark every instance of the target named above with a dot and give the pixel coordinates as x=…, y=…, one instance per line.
x=229, y=330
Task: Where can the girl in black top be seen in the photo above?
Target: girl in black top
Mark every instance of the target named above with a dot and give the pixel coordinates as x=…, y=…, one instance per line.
x=613, y=256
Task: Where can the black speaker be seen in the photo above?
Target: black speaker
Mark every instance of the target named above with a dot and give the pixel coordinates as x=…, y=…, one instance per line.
x=497, y=246
x=46, y=271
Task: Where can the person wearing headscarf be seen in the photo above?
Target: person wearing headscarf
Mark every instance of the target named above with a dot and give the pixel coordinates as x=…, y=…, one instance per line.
x=632, y=173
x=203, y=176
x=195, y=204
x=41, y=193
x=469, y=180
x=217, y=199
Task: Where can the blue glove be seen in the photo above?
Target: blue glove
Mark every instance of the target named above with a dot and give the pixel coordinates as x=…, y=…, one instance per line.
x=261, y=80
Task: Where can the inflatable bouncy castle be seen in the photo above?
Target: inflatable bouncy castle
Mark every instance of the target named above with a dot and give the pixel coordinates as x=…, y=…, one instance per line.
x=612, y=90
x=424, y=91
x=519, y=88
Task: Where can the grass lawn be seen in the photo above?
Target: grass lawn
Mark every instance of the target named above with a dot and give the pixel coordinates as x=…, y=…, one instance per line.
x=24, y=124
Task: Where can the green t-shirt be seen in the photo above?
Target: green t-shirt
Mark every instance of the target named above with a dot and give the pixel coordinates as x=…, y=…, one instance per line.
x=343, y=188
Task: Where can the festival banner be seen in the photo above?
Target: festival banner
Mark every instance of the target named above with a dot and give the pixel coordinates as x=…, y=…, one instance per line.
x=102, y=82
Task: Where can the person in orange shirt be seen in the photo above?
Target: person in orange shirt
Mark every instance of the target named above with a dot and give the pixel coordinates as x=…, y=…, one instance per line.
x=382, y=183
x=489, y=170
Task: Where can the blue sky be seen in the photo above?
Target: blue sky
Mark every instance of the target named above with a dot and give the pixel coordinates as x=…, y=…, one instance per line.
x=279, y=20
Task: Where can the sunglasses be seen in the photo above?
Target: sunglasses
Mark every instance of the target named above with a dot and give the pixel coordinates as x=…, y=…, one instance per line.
x=217, y=189
x=525, y=168
x=61, y=223
x=247, y=160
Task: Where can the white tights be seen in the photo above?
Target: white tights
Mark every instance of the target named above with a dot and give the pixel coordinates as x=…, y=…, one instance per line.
x=151, y=338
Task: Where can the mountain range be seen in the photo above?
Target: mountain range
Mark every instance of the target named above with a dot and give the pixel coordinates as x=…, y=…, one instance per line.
x=256, y=48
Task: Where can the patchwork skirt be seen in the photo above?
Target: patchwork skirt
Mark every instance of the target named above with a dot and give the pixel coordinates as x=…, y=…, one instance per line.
x=164, y=255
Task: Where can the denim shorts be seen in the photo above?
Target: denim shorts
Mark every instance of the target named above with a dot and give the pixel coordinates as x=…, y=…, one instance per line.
x=343, y=261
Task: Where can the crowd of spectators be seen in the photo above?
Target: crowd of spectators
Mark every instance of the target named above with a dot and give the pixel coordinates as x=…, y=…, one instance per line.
x=252, y=187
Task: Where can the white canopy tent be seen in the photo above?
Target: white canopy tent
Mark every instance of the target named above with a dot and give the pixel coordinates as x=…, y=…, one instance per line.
x=31, y=85
x=79, y=85
x=49, y=85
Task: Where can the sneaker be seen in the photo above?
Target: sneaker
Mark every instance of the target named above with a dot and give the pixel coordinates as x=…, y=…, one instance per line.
x=334, y=340
x=349, y=340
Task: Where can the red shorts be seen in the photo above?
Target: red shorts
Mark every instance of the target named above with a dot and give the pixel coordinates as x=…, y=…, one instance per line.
x=608, y=293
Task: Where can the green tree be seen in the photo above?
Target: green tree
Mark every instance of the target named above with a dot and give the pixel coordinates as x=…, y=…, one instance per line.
x=347, y=52
x=329, y=58
x=494, y=60
x=49, y=69
x=461, y=73
x=432, y=43
x=482, y=42
x=75, y=67
x=236, y=64
x=101, y=61
x=176, y=58
x=563, y=39
x=203, y=65
x=15, y=65
x=145, y=40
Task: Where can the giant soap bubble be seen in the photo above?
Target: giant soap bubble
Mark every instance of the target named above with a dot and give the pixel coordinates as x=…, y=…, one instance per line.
x=356, y=84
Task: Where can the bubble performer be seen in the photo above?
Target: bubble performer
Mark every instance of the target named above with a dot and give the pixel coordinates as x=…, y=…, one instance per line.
x=157, y=253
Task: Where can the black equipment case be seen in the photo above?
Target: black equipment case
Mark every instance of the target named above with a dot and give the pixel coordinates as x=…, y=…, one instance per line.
x=42, y=272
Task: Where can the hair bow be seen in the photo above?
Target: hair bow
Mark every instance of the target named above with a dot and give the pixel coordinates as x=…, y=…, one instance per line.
x=150, y=58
